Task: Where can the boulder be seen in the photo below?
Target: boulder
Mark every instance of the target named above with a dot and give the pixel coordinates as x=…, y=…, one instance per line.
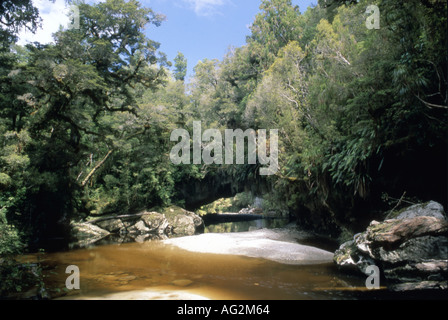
x=394, y=232
x=112, y=226
x=85, y=233
x=141, y=227
x=429, y=209
x=156, y=222
x=183, y=226
x=183, y=222
x=411, y=249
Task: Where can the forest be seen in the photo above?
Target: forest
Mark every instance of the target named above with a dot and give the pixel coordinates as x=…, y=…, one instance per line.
x=85, y=122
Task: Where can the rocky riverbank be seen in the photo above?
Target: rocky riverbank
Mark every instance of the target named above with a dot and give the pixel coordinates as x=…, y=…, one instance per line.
x=171, y=222
x=410, y=247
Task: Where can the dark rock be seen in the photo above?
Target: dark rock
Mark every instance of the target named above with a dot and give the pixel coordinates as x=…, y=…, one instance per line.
x=393, y=232
x=411, y=250
x=417, y=249
x=429, y=209
x=432, y=270
x=423, y=285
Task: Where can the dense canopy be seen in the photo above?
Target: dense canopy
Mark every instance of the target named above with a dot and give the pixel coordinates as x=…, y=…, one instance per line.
x=85, y=122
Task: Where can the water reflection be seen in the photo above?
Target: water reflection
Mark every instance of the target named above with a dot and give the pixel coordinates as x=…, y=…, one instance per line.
x=162, y=271
x=244, y=226
x=156, y=267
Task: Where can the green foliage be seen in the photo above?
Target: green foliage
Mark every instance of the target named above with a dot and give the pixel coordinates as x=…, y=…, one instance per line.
x=70, y=115
x=271, y=204
x=85, y=122
x=10, y=240
x=274, y=27
x=347, y=100
x=226, y=205
x=15, y=277
x=14, y=15
x=243, y=200
x=180, y=67
x=219, y=206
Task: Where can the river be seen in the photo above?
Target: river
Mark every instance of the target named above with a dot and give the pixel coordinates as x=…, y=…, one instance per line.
x=157, y=270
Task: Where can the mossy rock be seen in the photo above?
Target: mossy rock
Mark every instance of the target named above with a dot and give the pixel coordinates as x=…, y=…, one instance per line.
x=184, y=222
x=154, y=220
x=428, y=209
x=173, y=211
x=343, y=256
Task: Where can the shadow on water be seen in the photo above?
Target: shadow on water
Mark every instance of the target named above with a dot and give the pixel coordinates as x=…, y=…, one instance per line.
x=162, y=270
x=229, y=223
x=156, y=267
x=166, y=271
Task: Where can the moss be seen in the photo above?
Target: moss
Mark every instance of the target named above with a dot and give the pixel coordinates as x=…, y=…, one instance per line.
x=234, y=204
x=395, y=214
x=201, y=213
x=380, y=227
x=219, y=206
x=344, y=253
x=173, y=211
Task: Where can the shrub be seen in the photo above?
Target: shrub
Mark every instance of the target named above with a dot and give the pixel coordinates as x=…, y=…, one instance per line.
x=15, y=276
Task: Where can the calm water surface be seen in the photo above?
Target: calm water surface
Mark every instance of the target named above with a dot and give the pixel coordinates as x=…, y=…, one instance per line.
x=155, y=266
x=243, y=226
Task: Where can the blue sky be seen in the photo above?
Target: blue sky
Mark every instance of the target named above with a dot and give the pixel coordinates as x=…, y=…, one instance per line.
x=205, y=28
x=198, y=28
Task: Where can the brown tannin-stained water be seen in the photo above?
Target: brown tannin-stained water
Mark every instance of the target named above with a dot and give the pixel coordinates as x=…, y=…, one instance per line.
x=158, y=267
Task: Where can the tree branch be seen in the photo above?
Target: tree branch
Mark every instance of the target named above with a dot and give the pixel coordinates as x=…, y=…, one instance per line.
x=86, y=180
x=431, y=105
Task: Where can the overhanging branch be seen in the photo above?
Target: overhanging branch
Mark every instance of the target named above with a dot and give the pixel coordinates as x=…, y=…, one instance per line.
x=431, y=105
x=90, y=175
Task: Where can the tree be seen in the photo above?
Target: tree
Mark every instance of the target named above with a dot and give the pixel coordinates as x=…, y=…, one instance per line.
x=180, y=67
x=15, y=15
x=274, y=27
x=352, y=108
x=78, y=92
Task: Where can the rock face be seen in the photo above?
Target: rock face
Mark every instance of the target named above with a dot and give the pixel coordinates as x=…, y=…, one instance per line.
x=410, y=248
x=173, y=222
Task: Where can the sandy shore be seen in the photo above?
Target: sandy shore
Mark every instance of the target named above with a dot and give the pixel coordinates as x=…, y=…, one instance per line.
x=279, y=245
